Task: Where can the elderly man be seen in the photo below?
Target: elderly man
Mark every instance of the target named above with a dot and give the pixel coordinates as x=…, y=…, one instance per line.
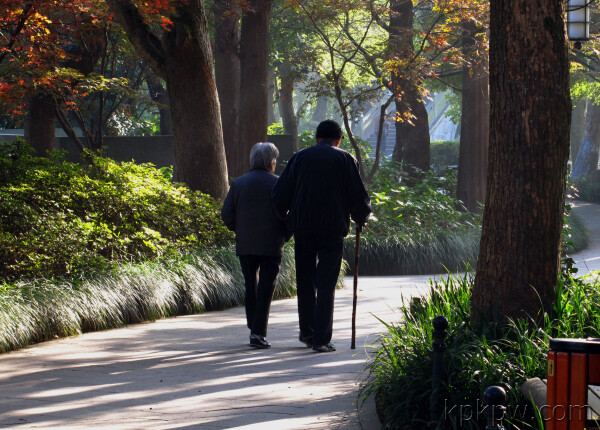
x=317, y=193
x=259, y=236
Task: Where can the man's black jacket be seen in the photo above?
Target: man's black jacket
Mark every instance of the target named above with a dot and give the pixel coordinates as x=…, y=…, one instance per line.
x=319, y=190
x=247, y=210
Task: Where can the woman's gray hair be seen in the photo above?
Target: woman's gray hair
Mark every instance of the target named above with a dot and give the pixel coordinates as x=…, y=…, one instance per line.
x=262, y=155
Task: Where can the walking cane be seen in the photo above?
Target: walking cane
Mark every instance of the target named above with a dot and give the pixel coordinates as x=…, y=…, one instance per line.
x=353, y=344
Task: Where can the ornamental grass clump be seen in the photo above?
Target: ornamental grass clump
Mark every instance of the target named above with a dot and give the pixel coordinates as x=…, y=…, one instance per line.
x=398, y=374
x=131, y=293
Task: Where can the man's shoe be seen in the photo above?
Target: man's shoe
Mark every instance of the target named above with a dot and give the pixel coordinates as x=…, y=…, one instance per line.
x=257, y=341
x=324, y=348
x=306, y=340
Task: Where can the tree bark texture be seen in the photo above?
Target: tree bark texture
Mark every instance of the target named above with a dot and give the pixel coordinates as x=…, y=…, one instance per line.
x=160, y=95
x=519, y=258
x=474, y=127
x=286, y=109
x=40, y=124
x=587, y=159
x=227, y=71
x=254, y=62
x=412, y=125
x=183, y=58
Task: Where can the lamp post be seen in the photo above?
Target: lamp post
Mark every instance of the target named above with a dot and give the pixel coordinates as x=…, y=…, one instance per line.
x=578, y=21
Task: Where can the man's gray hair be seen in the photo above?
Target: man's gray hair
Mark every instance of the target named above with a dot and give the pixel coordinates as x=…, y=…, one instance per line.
x=262, y=155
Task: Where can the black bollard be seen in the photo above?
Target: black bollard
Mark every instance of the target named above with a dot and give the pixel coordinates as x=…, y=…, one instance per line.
x=440, y=324
x=494, y=398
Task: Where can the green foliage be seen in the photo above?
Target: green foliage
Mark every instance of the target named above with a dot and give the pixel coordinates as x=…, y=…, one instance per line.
x=60, y=219
x=275, y=128
x=416, y=229
x=587, y=187
x=399, y=372
x=403, y=210
x=444, y=155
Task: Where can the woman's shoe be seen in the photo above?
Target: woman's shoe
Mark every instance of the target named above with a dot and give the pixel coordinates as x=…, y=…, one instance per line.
x=324, y=348
x=306, y=340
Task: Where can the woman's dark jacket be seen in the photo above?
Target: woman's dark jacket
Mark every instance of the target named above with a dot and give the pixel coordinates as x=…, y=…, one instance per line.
x=319, y=190
x=248, y=212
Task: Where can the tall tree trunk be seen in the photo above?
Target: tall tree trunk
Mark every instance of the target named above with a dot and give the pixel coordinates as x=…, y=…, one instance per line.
x=474, y=127
x=254, y=61
x=227, y=70
x=577, y=127
x=320, y=112
x=160, y=95
x=40, y=124
x=412, y=137
x=183, y=58
x=587, y=159
x=286, y=109
x=519, y=258
x=271, y=118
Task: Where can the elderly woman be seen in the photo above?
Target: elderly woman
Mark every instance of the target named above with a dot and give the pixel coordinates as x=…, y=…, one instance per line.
x=259, y=236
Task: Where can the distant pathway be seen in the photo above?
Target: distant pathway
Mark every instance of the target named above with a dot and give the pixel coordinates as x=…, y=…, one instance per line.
x=196, y=372
x=589, y=259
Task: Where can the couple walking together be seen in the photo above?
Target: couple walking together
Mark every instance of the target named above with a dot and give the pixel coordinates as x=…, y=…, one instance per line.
x=317, y=193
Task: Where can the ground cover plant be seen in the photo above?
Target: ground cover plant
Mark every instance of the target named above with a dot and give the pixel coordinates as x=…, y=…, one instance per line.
x=399, y=372
x=34, y=311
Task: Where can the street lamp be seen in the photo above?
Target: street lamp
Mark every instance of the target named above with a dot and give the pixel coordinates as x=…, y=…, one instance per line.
x=578, y=21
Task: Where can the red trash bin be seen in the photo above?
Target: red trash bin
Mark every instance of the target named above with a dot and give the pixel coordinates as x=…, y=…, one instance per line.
x=573, y=394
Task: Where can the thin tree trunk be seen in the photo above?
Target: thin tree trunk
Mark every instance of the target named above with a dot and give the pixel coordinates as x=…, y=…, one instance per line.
x=286, y=109
x=160, y=95
x=40, y=124
x=519, y=258
x=577, y=127
x=320, y=112
x=227, y=70
x=587, y=159
x=254, y=62
x=412, y=125
x=474, y=128
x=271, y=118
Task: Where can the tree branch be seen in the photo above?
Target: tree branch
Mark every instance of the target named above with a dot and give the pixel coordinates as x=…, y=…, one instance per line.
x=143, y=39
x=21, y=23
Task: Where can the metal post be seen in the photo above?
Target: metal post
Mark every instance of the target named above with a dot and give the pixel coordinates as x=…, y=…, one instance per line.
x=440, y=324
x=494, y=398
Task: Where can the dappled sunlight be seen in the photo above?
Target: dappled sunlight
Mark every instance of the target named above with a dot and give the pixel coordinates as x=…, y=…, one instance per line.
x=198, y=371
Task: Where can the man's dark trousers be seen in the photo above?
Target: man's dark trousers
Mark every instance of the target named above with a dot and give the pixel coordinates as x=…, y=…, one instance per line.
x=260, y=275
x=318, y=262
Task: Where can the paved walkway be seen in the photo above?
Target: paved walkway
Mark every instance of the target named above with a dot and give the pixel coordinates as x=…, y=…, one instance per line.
x=589, y=259
x=196, y=372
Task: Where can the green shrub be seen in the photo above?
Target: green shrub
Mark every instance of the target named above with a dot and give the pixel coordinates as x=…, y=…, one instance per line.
x=60, y=219
x=416, y=229
x=444, y=154
x=399, y=373
x=587, y=188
